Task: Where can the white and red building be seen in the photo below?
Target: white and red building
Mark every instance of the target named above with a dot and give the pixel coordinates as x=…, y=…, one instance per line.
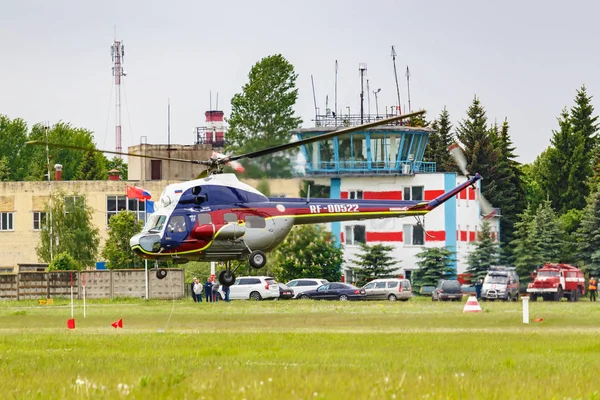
x=385, y=163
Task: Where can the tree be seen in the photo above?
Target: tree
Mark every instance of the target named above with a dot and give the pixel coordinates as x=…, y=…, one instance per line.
x=568, y=224
x=118, y=164
x=534, y=194
x=374, y=262
x=64, y=262
x=589, y=235
x=484, y=255
x=434, y=263
x=548, y=233
x=263, y=115
x=13, y=136
x=510, y=190
x=70, y=159
x=263, y=187
x=70, y=230
x=117, y=251
x=308, y=251
x=526, y=250
x=92, y=168
x=439, y=140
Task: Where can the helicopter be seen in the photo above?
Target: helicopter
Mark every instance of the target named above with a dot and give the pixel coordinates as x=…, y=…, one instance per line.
x=219, y=218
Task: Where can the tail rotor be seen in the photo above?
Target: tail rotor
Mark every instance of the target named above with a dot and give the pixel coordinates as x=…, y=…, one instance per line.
x=457, y=153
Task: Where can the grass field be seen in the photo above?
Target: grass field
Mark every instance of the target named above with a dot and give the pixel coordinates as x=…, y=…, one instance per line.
x=299, y=350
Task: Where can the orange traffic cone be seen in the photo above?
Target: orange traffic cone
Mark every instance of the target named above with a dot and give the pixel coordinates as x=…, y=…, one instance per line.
x=472, y=305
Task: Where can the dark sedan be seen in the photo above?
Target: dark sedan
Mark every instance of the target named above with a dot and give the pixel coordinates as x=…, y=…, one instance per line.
x=335, y=291
x=285, y=292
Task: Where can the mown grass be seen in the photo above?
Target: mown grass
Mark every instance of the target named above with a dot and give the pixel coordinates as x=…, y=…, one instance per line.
x=299, y=350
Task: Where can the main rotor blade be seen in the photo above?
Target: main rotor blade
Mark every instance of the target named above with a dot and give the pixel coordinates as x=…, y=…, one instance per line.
x=68, y=146
x=325, y=136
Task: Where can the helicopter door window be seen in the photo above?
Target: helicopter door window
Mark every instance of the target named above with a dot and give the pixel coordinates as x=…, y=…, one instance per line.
x=230, y=218
x=177, y=224
x=254, y=221
x=204, y=219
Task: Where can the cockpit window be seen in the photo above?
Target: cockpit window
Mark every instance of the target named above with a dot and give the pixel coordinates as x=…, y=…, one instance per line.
x=177, y=224
x=156, y=222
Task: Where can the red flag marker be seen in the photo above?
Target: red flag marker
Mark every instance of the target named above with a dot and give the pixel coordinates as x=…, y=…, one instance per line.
x=118, y=324
x=538, y=320
x=71, y=323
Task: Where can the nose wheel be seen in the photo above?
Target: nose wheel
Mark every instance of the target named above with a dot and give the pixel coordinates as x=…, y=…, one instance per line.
x=226, y=277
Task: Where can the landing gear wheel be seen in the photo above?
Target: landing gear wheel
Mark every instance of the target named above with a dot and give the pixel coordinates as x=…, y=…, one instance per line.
x=226, y=278
x=258, y=259
x=161, y=273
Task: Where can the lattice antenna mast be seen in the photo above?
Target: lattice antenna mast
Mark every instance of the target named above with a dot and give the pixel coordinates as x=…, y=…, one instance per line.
x=118, y=56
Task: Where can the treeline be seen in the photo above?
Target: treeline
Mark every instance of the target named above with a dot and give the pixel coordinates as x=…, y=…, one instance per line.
x=550, y=208
x=22, y=162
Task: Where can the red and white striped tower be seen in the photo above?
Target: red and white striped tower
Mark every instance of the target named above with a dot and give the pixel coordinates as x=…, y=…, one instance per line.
x=215, y=127
x=118, y=55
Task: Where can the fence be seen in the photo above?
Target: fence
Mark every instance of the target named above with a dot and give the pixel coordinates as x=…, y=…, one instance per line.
x=106, y=284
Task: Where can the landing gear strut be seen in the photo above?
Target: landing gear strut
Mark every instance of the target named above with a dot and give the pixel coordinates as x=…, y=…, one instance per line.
x=227, y=276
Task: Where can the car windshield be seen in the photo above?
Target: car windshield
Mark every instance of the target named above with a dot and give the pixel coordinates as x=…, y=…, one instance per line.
x=548, y=273
x=496, y=279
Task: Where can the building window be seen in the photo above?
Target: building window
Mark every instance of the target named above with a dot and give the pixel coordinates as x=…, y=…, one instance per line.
x=414, y=235
x=6, y=221
x=39, y=219
x=116, y=204
x=355, y=234
x=74, y=201
x=413, y=193
x=355, y=194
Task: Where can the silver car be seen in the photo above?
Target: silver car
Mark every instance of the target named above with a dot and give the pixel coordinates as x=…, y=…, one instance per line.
x=391, y=289
x=302, y=285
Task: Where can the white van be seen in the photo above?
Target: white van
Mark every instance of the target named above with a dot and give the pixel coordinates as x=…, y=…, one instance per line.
x=501, y=283
x=252, y=288
x=391, y=289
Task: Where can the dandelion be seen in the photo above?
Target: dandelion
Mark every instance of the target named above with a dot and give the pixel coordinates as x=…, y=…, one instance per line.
x=386, y=379
x=262, y=383
x=270, y=379
x=315, y=394
x=393, y=396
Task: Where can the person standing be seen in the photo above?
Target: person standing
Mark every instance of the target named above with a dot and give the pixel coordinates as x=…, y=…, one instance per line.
x=215, y=290
x=208, y=290
x=226, y=292
x=198, y=289
x=192, y=290
x=592, y=288
x=478, y=286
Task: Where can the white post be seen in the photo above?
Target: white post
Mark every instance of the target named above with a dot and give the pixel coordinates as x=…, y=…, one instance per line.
x=146, y=275
x=72, y=310
x=83, y=301
x=525, y=309
x=212, y=268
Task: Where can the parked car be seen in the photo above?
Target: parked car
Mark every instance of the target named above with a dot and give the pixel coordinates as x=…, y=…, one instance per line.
x=285, y=292
x=388, y=289
x=447, y=290
x=335, y=291
x=501, y=283
x=252, y=288
x=302, y=285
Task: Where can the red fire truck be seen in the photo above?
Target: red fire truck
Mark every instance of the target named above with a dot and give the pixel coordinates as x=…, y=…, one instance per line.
x=555, y=281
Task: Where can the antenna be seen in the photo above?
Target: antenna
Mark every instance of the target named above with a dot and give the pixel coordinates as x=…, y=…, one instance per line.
x=210, y=99
x=362, y=68
x=396, y=75
x=217, y=106
x=336, y=108
x=169, y=124
x=408, y=85
x=49, y=190
x=117, y=51
x=315, y=100
x=368, y=102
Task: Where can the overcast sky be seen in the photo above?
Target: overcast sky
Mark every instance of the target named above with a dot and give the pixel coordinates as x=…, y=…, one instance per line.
x=523, y=59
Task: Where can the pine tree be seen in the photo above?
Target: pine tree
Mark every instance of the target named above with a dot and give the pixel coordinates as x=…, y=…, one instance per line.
x=584, y=124
x=434, y=263
x=527, y=254
x=92, y=167
x=439, y=140
x=548, y=235
x=484, y=255
x=374, y=262
x=510, y=194
x=589, y=235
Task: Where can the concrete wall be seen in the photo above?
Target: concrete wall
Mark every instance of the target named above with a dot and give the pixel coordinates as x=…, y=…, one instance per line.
x=107, y=284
